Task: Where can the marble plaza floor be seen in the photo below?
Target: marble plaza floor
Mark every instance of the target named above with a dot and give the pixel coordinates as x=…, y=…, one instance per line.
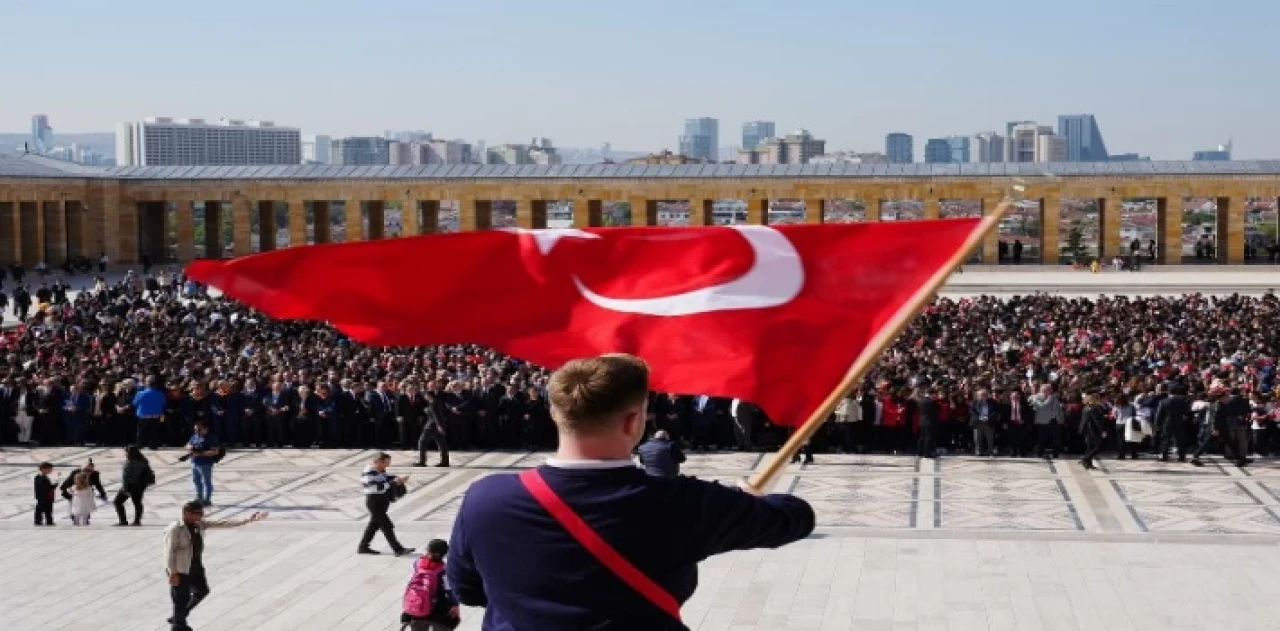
x=956, y=543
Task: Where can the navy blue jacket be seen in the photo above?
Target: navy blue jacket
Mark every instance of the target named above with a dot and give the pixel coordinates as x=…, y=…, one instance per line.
x=509, y=555
x=661, y=458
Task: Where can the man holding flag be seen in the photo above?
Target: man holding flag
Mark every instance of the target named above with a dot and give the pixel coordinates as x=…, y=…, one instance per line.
x=786, y=317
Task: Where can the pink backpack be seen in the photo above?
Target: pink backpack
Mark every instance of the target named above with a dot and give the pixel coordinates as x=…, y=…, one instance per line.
x=423, y=586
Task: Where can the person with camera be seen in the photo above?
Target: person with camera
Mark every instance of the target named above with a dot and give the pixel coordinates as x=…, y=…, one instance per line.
x=380, y=490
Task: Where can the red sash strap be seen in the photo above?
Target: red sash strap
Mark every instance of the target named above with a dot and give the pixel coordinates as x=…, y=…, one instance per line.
x=599, y=548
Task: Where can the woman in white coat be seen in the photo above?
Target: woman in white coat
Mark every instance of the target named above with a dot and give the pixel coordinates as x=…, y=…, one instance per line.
x=24, y=415
x=1130, y=427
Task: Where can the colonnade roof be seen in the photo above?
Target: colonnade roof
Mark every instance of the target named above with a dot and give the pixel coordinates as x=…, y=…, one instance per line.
x=39, y=167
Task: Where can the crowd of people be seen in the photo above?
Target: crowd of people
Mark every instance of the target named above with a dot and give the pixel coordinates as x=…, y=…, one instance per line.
x=142, y=360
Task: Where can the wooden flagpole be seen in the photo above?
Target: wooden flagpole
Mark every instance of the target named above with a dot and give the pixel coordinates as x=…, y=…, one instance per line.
x=761, y=481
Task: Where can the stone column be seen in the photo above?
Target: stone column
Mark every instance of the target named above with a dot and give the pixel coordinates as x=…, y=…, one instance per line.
x=241, y=230
x=266, y=225
x=991, y=244
x=185, y=218
x=430, y=220
x=1050, y=218
x=932, y=208
x=644, y=211
x=475, y=214
x=1169, y=218
x=409, y=218
x=813, y=211
x=702, y=212
x=56, y=226
x=353, y=215
x=10, y=233
x=1109, y=210
x=758, y=212
x=872, y=206
x=531, y=213
x=298, y=222
x=118, y=226
x=377, y=220
x=587, y=213
x=1230, y=247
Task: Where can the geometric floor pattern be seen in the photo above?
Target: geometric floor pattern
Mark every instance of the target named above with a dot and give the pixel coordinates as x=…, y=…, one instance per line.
x=953, y=543
x=851, y=493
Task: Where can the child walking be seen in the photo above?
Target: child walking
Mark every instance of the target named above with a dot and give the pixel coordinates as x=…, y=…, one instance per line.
x=82, y=504
x=428, y=604
x=45, y=490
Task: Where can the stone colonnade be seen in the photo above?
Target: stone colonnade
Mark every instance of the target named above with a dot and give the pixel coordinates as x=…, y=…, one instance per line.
x=52, y=220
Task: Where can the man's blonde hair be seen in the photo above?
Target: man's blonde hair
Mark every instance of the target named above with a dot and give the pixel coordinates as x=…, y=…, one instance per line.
x=586, y=394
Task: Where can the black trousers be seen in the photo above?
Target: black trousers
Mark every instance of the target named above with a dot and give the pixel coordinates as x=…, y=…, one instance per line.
x=1049, y=437
x=190, y=590
x=379, y=521
x=149, y=432
x=1235, y=445
x=1092, y=445
x=44, y=509
x=924, y=442
x=275, y=430
x=429, y=436
x=135, y=495
x=1173, y=434
x=1019, y=438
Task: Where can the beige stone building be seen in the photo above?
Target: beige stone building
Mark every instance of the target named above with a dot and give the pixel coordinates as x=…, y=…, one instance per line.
x=51, y=210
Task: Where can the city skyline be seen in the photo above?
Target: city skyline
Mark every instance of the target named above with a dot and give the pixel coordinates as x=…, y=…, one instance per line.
x=637, y=94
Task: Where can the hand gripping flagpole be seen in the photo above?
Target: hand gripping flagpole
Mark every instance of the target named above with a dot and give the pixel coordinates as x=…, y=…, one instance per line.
x=761, y=481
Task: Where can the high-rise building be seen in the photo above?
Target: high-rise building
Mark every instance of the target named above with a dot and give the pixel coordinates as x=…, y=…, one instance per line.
x=796, y=148
x=701, y=139
x=41, y=134
x=937, y=151
x=850, y=157
x=1082, y=137
x=361, y=150
x=447, y=152
x=1222, y=153
x=317, y=149
x=959, y=148
x=900, y=148
x=193, y=142
x=1024, y=144
x=1051, y=147
x=756, y=132
x=987, y=147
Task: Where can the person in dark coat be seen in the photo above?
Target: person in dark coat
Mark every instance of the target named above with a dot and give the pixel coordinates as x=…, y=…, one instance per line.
x=382, y=414
x=1173, y=417
x=410, y=408
x=927, y=411
x=1093, y=426
x=433, y=433
x=134, y=481
x=75, y=415
x=510, y=413
x=660, y=456
x=1232, y=420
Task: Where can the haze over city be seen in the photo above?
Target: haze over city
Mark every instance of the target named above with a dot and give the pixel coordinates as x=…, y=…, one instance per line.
x=1163, y=79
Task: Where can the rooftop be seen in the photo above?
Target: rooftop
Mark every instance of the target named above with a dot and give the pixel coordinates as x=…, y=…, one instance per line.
x=32, y=166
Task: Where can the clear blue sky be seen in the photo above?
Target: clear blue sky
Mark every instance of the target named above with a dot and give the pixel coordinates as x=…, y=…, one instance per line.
x=1164, y=78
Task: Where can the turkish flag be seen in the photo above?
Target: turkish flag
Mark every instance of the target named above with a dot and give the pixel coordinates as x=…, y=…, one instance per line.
x=771, y=315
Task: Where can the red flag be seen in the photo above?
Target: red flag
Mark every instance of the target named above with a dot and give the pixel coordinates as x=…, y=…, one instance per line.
x=772, y=315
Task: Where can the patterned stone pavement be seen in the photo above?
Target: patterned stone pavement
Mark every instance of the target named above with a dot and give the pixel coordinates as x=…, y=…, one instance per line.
x=953, y=543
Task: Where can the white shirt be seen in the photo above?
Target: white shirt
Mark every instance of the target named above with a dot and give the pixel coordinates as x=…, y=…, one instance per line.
x=588, y=464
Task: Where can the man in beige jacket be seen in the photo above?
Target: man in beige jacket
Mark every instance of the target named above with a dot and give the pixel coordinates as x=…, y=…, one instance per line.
x=184, y=559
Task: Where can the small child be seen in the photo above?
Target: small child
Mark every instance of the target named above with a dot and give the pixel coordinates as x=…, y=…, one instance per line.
x=428, y=604
x=45, y=490
x=82, y=504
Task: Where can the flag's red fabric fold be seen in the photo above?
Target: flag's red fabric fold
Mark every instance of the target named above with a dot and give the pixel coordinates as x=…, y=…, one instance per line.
x=772, y=315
